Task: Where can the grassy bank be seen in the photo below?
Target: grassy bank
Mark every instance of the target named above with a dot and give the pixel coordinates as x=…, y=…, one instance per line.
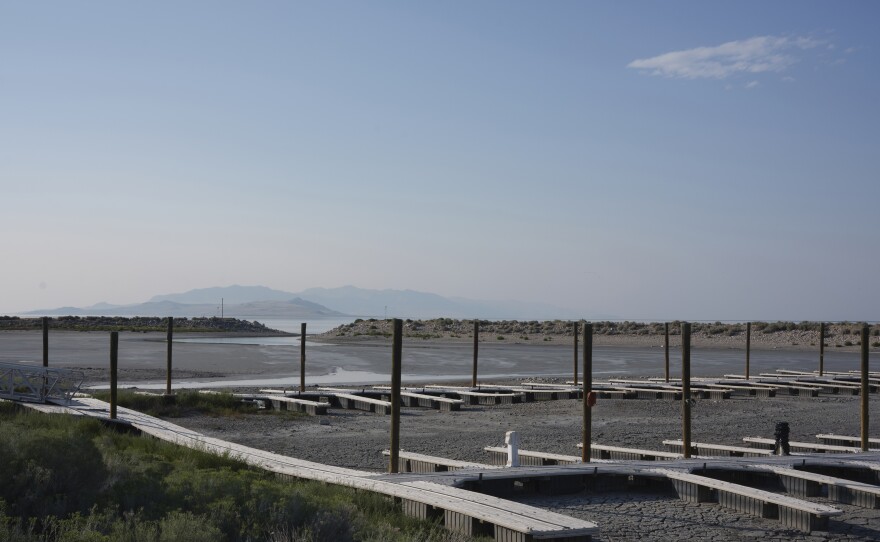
x=71, y=479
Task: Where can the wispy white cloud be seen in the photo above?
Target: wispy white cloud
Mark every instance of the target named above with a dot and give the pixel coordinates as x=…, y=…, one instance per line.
x=752, y=84
x=761, y=54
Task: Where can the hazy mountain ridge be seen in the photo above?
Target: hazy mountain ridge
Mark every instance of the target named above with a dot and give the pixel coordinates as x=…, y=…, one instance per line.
x=262, y=302
x=414, y=304
x=232, y=295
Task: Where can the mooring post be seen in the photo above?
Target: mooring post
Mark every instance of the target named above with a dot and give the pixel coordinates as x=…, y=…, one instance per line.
x=476, y=350
x=686, y=389
x=666, y=349
x=589, y=398
x=821, y=348
x=511, y=442
x=170, y=341
x=114, y=354
x=576, y=354
x=748, y=346
x=865, y=389
x=396, y=351
x=302, y=357
x=45, y=341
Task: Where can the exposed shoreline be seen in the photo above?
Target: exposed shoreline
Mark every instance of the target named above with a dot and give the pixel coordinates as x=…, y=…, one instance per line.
x=766, y=336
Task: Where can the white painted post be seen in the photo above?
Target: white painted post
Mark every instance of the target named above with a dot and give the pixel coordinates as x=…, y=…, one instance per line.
x=511, y=439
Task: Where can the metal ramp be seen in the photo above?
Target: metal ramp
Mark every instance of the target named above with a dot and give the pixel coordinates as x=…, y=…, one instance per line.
x=22, y=382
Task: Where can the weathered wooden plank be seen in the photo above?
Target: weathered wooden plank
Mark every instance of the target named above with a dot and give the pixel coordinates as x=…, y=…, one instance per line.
x=769, y=444
x=704, y=448
x=538, y=458
x=435, y=463
x=844, y=440
x=315, y=408
x=574, y=526
x=619, y=452
x=807, y=484
x=780, y=500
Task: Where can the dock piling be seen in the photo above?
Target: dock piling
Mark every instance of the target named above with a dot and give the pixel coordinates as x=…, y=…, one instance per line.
x=114, y=354
x=396, y=354
x=865, y=390
x=821, y=348
x=476, y=350
x=748, y=346
x=302, y=357
x=575, y=354
x=169, y=340
x=45, y=341
x=666, y=349
x=587, y=433
x=686, y=389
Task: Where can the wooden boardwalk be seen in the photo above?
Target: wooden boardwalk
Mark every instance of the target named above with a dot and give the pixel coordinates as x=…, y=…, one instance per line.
x=458, y=509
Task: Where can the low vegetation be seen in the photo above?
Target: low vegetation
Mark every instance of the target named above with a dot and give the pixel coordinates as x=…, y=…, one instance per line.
x=439, y=328
x=185, y=402
x=67, y=479
x=137, y=324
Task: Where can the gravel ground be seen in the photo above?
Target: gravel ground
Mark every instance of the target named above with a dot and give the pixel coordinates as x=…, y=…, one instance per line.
x=356, y=439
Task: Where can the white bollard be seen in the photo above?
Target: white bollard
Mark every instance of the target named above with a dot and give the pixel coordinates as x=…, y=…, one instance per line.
x=511, y=439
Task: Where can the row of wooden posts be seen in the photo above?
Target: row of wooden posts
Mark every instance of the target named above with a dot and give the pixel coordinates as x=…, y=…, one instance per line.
x=748, y=348
x=588, y=397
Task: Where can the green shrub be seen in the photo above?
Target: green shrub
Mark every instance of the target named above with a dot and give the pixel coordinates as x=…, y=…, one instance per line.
x=181, y=403
x=133, y=489
x=51, y=469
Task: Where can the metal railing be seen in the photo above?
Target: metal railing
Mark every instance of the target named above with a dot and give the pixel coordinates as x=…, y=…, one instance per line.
x=22, y=382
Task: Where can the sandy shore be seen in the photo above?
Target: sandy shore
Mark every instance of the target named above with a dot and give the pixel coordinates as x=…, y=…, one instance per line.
x=764, y=336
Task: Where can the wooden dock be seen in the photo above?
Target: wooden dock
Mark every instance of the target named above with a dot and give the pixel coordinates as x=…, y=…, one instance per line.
x=793, y=512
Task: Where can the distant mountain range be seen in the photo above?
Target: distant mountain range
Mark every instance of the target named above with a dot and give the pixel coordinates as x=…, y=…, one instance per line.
x=253, y=302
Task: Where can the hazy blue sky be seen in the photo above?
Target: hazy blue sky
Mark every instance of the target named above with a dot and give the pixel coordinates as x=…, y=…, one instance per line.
x=651, y=160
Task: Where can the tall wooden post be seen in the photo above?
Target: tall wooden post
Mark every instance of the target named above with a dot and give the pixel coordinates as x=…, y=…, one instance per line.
x=686, y=389
x=748, y=347
x=575, y=353
x=587, y=433
x=114, y=355
x=865, y=388
x=666, y=349
x=396, y=354
x=170, y=341
x=821, y=348
x=302, y=357
x=476, y=350
x=45, y=341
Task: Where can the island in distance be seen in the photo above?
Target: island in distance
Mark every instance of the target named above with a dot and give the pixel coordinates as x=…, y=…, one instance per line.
x=260, y=302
